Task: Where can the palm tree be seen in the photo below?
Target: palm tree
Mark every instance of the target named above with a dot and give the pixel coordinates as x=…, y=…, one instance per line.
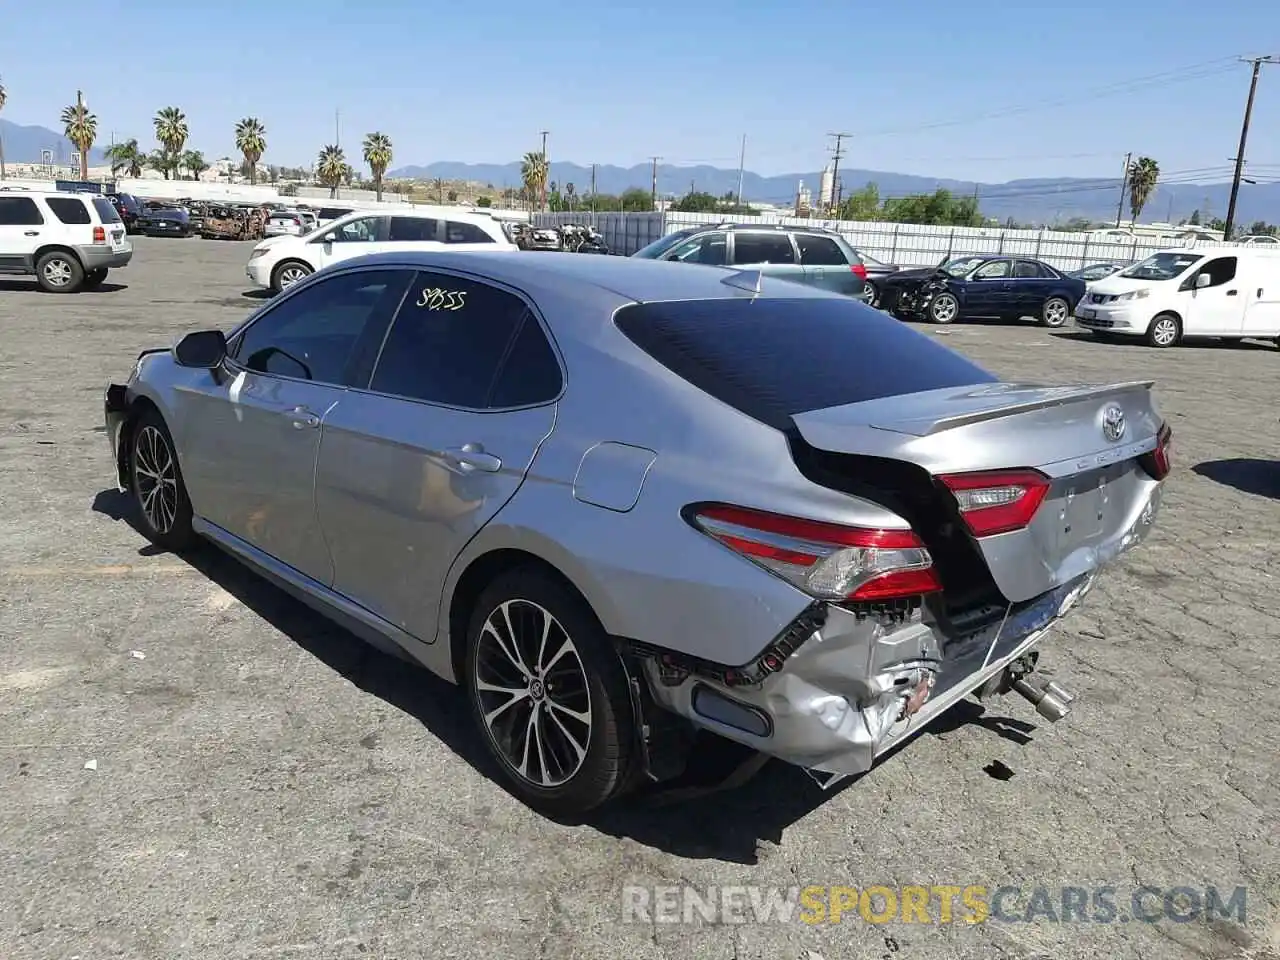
x=1143, y=176
x=171, y=132
x=377, y=154
x=533, y=171
x=4, y=97
x=193, y=162
x=331, y=165
x=569, y=192
x=81, y=128
x=251, y=140
x=127, y=157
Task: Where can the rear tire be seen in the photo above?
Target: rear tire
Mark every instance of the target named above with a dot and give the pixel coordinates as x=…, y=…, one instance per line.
x=1165, y=330
x=94, y=278
x=59, y=272
x=563, y=737
x=1055, y=312
x=156, y=485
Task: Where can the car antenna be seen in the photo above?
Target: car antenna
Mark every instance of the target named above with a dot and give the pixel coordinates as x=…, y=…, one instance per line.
x=749, y=280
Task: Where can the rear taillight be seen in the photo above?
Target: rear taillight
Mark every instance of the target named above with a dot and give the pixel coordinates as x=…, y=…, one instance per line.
x=99, y=235
x=1159, y=461
x=826, y=560
x=999, y=501
x=860, y=270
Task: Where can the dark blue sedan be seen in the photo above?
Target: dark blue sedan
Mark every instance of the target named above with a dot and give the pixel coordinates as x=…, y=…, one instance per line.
x=983, y=286
x=165, y=223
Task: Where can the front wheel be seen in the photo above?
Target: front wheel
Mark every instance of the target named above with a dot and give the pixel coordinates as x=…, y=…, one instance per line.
x=944, y=308
x=1055, y=312
x=549, y=693
x=289, y=273
x=1165, y=331
x=155, y=482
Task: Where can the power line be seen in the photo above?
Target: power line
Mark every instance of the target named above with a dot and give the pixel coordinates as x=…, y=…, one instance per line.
x=1244, y=137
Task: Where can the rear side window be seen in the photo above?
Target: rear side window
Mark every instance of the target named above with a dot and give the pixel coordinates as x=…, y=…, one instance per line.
x=820, y=251
x=772, y=358
x=460, y=232
x=69, y=210
x=530, y=374
x=448, y=341
x=413, y=229
x=762, y=248
x=107, y=211
x=1028, y=269
x=19, y=212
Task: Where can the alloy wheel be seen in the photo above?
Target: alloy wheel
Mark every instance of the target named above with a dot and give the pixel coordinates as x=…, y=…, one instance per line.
x=533, y=694
x=291, y=275
x=57, y=273
x=1055, y=313
x=1165, y=331
x=157, y=479
x=944, y=309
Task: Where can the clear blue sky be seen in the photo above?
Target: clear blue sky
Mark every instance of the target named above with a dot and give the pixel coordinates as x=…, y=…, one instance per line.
x=929, y=87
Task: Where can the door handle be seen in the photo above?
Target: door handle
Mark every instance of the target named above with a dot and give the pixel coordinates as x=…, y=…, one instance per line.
x=303, y=419
x=31, y=233
x=1232, y=293
x=819, y=274
x=471, y=456
x=1259, y=291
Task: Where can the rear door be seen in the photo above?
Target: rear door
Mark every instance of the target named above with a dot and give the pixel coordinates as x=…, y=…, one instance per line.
x=826, y=265
x=424, y=233
x=1029, y=288
x=412, y=467
x=771, y=252
x=117, y=235
x=21, y=228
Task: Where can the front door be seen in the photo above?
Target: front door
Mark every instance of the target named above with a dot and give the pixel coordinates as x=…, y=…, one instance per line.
x=462, y=396
x=771, y=252
x=1216, y=310
x=354, y=238
x=251, y=435
x=21, y=227
x=987, y=292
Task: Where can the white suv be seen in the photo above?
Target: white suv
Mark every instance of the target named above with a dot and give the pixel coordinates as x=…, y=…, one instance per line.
x=67, y=240
x=280, y=262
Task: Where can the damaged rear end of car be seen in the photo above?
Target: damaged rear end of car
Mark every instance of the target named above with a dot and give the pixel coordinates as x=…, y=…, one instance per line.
x=1000, y=503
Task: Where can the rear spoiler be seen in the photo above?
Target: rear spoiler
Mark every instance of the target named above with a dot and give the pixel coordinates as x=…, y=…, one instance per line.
x=1047, y=397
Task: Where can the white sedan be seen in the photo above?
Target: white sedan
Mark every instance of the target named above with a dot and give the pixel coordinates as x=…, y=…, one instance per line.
x=279, y=262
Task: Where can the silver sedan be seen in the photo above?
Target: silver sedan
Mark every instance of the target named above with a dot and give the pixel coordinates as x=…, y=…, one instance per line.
x=620, y=501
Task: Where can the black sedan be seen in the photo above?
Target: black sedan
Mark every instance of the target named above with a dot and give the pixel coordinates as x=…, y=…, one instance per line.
x=877, y=270
x=983, y=286
x=165, y=223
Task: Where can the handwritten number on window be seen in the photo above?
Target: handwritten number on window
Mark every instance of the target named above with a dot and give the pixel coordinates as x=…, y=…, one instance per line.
x=433, y=298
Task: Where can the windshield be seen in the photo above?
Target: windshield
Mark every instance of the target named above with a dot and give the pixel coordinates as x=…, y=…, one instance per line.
x=1162, y=266
x=958, y=268
x=656, y=249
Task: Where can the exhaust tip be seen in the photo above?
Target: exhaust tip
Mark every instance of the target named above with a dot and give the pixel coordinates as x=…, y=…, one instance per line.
x=1049, y=698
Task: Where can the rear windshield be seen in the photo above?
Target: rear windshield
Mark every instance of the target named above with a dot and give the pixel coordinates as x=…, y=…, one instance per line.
x=107, y=212
x=774, y=358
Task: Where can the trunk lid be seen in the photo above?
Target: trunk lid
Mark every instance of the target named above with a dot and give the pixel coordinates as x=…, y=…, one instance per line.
x=1088, y=440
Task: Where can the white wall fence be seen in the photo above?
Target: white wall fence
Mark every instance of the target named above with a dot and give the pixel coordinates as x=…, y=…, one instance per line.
x=906, y=244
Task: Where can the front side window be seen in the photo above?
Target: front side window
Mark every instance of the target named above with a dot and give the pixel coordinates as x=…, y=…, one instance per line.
x=818, y=251
x=462, y=232
x=751, y=248
x=320, y=332
x=19, y=212
x=363, y=230
x=995, y=270
x=69, y=210
x=448, y=341
x=710, y=249
x=1220, y=271
x=413, y=230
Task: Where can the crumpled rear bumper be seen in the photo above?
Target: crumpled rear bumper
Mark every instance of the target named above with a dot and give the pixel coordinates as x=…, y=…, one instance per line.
x=860, y=685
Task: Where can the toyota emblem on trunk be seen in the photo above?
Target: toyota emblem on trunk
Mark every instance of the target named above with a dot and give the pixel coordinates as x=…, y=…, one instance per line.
x=1113, y=423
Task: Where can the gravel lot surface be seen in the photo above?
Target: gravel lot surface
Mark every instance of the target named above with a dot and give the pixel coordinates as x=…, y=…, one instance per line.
x=194, y=765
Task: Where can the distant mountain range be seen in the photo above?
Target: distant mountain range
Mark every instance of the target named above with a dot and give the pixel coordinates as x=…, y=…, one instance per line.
x=1027, y=201
x=23, y=145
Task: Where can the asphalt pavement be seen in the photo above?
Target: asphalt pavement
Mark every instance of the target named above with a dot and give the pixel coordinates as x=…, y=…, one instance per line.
x=196, y=766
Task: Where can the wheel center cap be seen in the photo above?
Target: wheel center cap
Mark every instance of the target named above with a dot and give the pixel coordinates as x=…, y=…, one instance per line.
x=536, y=690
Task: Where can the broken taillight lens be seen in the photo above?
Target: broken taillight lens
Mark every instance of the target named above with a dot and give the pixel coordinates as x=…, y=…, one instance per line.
x=1159, y=461
x=830, y=561
x=997, y=501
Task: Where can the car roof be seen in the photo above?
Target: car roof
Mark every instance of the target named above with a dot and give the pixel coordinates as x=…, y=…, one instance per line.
x=627, y=278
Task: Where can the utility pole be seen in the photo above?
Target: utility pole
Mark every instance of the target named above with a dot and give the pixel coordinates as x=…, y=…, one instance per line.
x=546, y=171
x=742, y=165
x=1244, y=137
x=593, y=194
x=653, y=190
x=836, y=155
x=1124, y=184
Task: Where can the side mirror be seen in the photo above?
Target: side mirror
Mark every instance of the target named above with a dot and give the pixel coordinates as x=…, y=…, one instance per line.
x=204, y=349
x=330, y=237
x=1203, y=280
